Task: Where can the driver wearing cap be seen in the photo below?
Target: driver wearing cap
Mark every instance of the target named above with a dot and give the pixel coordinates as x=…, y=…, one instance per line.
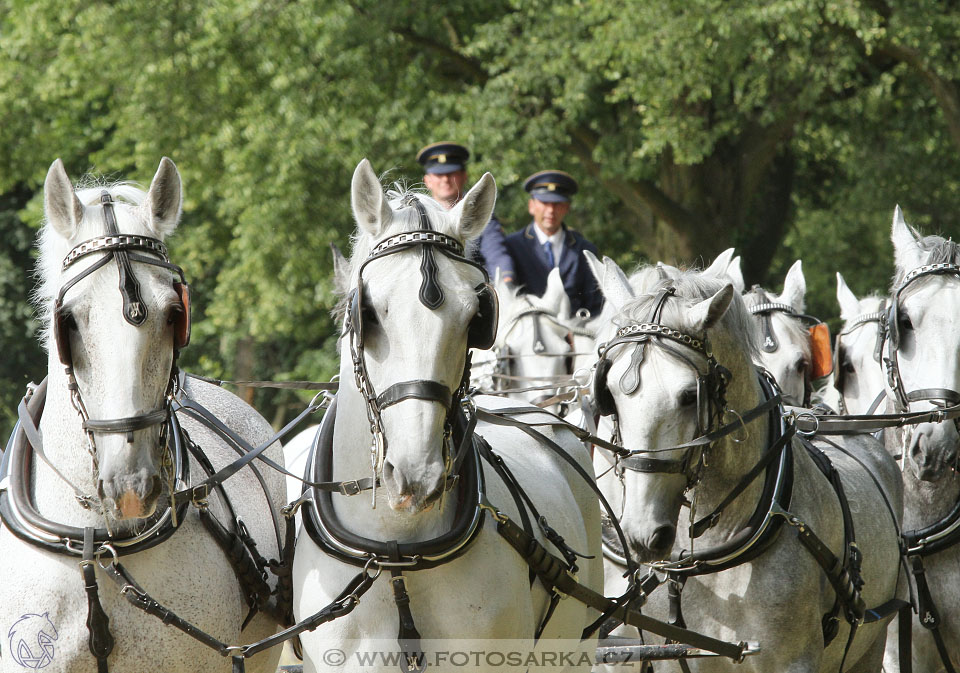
x=547, y=243
x=445, y=175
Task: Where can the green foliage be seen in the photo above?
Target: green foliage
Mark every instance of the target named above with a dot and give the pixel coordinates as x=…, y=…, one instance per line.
x=682, y=120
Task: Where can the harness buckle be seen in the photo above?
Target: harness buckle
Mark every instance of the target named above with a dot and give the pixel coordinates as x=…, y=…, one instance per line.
x=351, y=487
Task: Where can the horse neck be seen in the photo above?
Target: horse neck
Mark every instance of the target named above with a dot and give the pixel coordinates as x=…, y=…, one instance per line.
x=726, y=463
x=65, y=445
x=351, y=460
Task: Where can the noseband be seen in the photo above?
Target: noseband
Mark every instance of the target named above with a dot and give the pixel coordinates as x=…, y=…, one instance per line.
x=481, y=334
x=119, y=247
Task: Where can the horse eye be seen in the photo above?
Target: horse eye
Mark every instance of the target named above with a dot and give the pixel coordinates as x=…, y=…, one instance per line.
x=904, y=321
x=848, y=368
x=801, y=366
x=370, y=316
x=174, y=314
x=688, y=397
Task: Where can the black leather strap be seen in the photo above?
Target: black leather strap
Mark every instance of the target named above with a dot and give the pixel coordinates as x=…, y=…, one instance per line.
x=100, y=640
x=432, y=391
x=553, y=573
x=128, y=424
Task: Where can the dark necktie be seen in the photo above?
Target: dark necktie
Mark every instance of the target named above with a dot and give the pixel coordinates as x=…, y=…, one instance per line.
x=548, y=248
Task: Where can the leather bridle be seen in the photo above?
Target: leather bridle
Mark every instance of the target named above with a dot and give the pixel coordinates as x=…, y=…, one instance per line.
x=839, y=381
x=711, y=389
x=764, y=311
x=481, y=334
x=503, y=377
x=940, y=397
x=120, y=248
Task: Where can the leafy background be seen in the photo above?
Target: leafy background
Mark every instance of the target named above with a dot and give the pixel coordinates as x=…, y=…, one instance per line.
x=786, y=128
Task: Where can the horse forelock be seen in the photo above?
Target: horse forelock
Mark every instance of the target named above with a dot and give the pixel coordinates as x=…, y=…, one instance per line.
x=52, y=247
x=938, y=250
x=693, y=286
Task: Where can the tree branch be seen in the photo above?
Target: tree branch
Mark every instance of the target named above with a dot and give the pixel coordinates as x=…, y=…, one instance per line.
x=639, y=196
x=944, y=90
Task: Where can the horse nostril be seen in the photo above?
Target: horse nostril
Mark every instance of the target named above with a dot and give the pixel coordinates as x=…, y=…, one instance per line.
x=662, y=539
x=155, y=486
x=395, y=477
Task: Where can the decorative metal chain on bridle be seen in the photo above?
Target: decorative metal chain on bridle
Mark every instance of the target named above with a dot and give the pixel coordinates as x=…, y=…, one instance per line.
x=431, y=296
x=711, y=390
x=119, y=247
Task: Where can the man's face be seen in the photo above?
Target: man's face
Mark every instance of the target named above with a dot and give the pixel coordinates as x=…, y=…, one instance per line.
x=548, y=216
x=447, y=188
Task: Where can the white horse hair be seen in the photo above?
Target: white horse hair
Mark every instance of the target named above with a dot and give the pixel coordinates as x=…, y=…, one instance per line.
x=485, y=593
x=790, y=362
x=123, y=371
x=779, y=597
x=863, y=376
x=928, y=357
x=531, y=350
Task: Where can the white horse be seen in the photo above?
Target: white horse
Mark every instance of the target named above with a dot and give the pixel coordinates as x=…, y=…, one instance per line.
x=400, y=342
x=115, y=479
x=785, y=345
x=531, y=358
x=923, y=345
x=858, y=375
x=671, y=388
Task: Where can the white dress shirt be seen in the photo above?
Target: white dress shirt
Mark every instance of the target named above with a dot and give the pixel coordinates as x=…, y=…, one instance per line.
x=556, y=242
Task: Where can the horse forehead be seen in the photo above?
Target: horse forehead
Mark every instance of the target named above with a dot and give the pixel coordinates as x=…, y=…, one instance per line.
x=935, y=296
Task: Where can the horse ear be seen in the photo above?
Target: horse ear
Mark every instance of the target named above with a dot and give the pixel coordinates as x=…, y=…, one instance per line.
x=63, y=208
x=906, y=243
x=476, y=208
x=720, y=264
x=708, y=312
x=735, y=274
x=165, y=199
x=849, y=304
x=341, y=271
x=555, y=297
x=370, y=207
x=795, y=287
x=611, y=279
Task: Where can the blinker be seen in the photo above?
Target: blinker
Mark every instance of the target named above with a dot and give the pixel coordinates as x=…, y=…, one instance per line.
x=821, y=360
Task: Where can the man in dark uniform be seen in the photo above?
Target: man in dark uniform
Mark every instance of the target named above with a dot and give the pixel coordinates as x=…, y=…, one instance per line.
x=445, y=175
x=547, y=242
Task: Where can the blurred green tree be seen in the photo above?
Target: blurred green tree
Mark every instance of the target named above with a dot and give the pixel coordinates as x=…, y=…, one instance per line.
x=787, y=129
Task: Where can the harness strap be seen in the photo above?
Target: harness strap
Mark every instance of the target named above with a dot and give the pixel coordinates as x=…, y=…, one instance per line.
x=710, y=520
x=100, y=641
x=553, y=573
x=928, y=614
x=408, y=637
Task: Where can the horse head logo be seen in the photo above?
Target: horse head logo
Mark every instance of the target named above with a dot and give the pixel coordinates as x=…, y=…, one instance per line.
x=31, y=639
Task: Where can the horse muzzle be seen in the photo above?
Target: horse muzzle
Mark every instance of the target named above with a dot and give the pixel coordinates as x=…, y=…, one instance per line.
x=130, y=496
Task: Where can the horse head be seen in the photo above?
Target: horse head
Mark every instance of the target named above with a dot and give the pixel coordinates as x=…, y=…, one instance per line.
x=785, y=349
x=664, y=372
x=533, y=340
x=923, y=345
x=415, y=307
x=858, y=373
x=118, y=347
